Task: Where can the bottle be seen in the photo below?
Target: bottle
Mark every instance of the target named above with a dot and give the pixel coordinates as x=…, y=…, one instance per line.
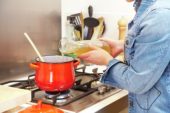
x=122, y=26
x=76, y=48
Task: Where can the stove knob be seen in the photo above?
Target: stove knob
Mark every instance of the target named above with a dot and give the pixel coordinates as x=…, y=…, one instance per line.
x=102, y=90
x=96, y=84
x=109, y=88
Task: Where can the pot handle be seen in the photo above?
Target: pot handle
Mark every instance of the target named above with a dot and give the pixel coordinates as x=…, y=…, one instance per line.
x=34, y=65
x=76, y=63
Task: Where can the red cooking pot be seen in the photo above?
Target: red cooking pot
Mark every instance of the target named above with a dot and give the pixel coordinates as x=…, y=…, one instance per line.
x=56, y=73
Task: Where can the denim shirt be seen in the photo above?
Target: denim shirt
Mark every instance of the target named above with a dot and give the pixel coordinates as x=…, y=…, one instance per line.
x=146, y=70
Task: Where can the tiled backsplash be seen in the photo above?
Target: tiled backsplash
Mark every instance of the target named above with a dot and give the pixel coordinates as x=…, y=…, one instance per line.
x=111, y=10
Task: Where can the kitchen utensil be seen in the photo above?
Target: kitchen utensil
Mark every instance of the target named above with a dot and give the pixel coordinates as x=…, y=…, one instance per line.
x=77, y=34
x=89, y=24
x=42, y=108
x=98, y=30
x=34, y=47
x=56, y=73
x=82, y=25
x=12, y=97
x=88, y=33
x=77, y=21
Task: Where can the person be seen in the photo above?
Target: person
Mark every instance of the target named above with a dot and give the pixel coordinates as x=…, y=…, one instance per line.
x=145, y=73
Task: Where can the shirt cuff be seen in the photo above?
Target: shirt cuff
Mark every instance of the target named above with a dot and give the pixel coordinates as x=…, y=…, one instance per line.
x=105, y=75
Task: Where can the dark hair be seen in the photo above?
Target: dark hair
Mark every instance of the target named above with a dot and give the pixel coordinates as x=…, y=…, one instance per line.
x=137, y=4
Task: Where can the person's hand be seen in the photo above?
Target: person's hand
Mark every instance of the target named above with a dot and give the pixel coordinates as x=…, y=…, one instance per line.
x=96, y=56
x=116, y=46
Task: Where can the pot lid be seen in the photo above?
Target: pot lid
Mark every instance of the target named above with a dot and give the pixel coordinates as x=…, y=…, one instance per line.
x=41, y=108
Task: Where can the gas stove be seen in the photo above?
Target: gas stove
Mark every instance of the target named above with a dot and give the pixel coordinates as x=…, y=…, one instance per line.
x=86, y=91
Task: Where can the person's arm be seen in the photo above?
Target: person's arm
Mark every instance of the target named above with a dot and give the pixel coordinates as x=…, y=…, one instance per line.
x=151, y=56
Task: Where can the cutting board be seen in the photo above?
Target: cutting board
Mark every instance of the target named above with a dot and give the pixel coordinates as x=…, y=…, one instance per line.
x=12, y=97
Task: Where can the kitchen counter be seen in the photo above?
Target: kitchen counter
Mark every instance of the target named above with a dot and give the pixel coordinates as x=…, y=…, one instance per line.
x=106, y=102
x=100, y=107
x=8, y=100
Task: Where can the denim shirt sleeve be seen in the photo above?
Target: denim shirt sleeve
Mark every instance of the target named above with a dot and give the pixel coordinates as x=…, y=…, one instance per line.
x=150, y=58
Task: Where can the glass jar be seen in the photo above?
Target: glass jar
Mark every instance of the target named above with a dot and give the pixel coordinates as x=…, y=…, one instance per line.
x=76, y=48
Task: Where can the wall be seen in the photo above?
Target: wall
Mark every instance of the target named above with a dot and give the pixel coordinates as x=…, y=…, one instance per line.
x=111, y=10
x=41, y=19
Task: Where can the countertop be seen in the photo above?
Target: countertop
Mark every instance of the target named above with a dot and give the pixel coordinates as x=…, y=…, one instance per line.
x=92, y=109
x=96, y=107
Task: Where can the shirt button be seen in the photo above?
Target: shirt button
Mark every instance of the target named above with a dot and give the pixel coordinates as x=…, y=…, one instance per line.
x=125, y=62
x=131, y=103
x=127, y=42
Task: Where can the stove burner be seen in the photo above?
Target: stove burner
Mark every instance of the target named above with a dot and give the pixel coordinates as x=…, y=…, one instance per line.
x=57, y=95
